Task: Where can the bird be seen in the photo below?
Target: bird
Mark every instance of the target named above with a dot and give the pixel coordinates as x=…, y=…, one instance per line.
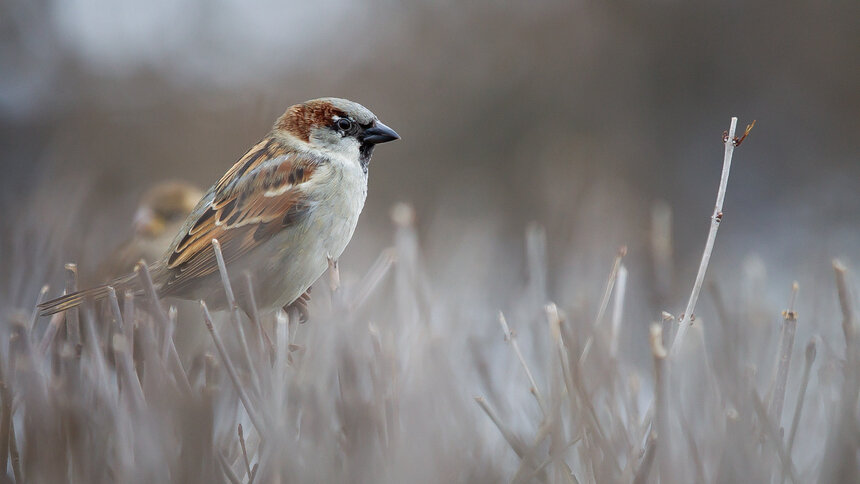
x=160, y=214
x=285, y=209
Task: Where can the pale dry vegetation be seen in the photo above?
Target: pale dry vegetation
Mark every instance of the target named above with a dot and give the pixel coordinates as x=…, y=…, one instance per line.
x=411, y=373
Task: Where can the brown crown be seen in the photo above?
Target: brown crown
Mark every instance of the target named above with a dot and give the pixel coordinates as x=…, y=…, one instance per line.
x=300, y=118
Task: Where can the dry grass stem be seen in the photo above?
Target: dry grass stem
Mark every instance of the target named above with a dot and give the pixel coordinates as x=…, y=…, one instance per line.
x=786, y=346
x=716, y=218
x=617, y=310
x=801, y=397
x=73, y=324
x=510, y=336
x=604, y=301
x=231, y=371
x=234, y=313
x=773, y=437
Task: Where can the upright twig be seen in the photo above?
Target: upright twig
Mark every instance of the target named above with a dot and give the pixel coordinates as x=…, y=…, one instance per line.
x=774, y=437
x=122, y=347
x=730, y=141
x=14, y=455
x=786, y=346
x=512, y=338
x=73, y=323
x=244, y=450
x=262, y=335
x=373, y=277
x=149, y=289
x=234, y=313
x=604, y=301
x=617, y=310
x=34, y=316
x=228, y=469
x=660, y=426
x=231, y=371
x=5, y=415
x=798, y=408
x=512, y=440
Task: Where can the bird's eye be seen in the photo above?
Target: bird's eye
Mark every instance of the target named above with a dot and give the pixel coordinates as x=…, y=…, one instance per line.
x=344, y=124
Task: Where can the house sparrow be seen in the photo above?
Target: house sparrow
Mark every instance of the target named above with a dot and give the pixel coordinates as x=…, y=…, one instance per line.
x=281, y=212
x=160, y=214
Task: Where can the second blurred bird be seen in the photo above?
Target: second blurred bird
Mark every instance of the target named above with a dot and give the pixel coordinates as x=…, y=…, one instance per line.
x=160, y=214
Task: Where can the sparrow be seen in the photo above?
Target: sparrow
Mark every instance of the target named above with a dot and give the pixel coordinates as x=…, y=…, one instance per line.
x=281, y=212
x=160, y=214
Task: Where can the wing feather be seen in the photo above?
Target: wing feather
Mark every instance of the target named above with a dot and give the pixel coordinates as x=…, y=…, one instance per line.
x=262, y=194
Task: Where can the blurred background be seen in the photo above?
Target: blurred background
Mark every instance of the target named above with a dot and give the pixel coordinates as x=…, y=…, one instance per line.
x=579, y=116
x=537, y=138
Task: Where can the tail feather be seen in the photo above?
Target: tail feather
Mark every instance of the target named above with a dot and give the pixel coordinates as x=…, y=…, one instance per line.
x=75, y=299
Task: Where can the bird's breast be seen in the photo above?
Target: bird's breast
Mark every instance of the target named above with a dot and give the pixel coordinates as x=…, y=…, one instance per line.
x=335, y=199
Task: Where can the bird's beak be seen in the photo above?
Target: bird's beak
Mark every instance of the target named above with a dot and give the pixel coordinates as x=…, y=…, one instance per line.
x=379, y=133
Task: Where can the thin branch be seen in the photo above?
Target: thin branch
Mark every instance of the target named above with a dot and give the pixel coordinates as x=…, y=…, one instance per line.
x=149, y=289
x=716, y=218
x=617, y=309
x=844, y=304
x=512, y=440
x=73, y=323
x=231, y=371
x=644, y=469
x=786, y=346
x=373, y=277
x=234, y=312
x=244, y=450
x=6, y=419
x=122, y=347
x=14, y=455
x=263, y=339
x=798, y=408
x=604, y=301
x=660, y=425
x=773, y=436
x=34, y=316
x=511, y=337
x=228, y=470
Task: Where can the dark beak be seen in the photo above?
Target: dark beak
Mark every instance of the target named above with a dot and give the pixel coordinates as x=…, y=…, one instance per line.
x=379, y=133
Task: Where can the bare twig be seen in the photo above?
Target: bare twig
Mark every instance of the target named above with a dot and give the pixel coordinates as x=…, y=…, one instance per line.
x=617, y=309
x=34, y=316
x=228, y=469
x=716, y=218
x=604, y=302
x=255, y=318
x=51, y=332
x=6, y=419
x=786, y=346
x=73, y=324
x=231, y=371
x=149, y=289
x=14, y=455
x=512, y=440
x=244, y=450
x=641, y=476
x=373, y=277
x=661, y=424
x=798, y=408
x=773, y=436
x=122, y=348
x=234, y=312
x=114, y=308
x=844, y=304
x=511, y=337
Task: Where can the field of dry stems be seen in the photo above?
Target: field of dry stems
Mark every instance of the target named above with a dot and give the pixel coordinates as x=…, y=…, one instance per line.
x=400, y=377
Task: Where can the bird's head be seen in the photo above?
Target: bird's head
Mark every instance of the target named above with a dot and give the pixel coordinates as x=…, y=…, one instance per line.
x=336, y=126
x=164, y=205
